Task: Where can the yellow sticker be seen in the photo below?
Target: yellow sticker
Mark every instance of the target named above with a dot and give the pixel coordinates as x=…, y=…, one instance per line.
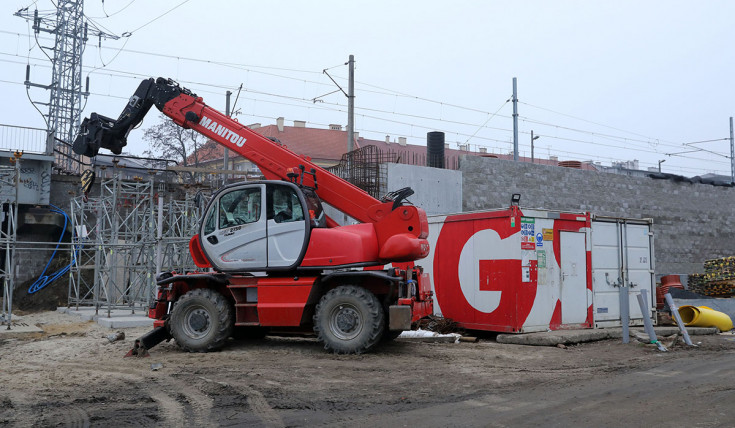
x=548, y=234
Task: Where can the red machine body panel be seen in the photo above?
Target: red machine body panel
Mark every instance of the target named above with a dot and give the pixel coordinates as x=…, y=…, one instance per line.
x=357, y=242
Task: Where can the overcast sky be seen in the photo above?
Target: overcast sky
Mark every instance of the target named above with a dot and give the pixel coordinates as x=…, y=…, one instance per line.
x=604, y=81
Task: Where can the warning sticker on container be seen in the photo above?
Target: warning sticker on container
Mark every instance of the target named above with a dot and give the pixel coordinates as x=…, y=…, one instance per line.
x=541, y=257
x=528, y=233
x=548, y=234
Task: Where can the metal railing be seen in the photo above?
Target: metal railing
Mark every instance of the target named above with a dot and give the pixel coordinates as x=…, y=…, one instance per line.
x=23, y=138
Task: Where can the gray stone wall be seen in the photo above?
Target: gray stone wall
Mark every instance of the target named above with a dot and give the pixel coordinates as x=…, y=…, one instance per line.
x=692, y=222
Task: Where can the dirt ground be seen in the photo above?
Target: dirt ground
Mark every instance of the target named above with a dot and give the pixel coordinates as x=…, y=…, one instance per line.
x=70, y=375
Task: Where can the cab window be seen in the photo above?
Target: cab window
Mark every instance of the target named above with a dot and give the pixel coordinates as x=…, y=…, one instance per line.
x=239, y=207
x=285, y=205
x=211, y=222
x=316, y=212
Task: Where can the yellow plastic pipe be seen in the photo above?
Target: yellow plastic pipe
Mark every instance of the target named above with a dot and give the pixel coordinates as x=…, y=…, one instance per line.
x=703, y=316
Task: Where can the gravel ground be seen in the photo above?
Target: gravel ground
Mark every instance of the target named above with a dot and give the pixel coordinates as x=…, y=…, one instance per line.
x=71, y=375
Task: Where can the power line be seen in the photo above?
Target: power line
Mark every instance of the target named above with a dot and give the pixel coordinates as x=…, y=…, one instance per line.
x=398, y=93
x=405, y=123
x=114, y=13
x=130, y=33
x=304, y=100
x=585, y=120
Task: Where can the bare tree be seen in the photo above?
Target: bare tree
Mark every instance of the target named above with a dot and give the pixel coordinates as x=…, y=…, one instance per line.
x=168, y=140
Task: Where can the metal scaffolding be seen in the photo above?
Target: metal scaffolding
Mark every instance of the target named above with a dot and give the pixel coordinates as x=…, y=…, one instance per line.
x=122, y=238
x=8, y=179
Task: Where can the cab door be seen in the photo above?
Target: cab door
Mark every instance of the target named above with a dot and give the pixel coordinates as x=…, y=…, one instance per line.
x=234, y=233
x=287, y=225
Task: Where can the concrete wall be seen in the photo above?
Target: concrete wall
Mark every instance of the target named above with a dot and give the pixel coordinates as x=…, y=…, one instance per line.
x=692, y=222
x=437, y=191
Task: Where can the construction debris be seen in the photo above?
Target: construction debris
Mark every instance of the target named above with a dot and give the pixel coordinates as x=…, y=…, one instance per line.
x=440, y=325
x=114, y=337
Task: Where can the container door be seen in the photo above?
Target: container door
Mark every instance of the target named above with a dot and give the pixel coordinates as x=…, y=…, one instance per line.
x=639, y=274
x=573, y=278
x=607, y=273
x=621, y=255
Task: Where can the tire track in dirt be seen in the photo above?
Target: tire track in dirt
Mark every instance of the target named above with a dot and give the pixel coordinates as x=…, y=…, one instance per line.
x=200, y=403
x=74, y=417
x=256, y=401
x=174, y=411
x=22, y=403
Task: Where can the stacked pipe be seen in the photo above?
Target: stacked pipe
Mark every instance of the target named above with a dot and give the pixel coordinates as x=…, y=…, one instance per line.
x=719, y=277
x=696, y=283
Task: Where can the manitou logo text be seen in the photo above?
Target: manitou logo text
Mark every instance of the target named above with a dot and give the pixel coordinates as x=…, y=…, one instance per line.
x=222, y=131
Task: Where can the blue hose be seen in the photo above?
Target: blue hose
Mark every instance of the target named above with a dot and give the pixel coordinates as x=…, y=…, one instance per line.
x=44, y=279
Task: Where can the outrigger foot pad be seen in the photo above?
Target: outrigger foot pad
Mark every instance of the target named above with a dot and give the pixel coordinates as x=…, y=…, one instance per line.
x=148, y=341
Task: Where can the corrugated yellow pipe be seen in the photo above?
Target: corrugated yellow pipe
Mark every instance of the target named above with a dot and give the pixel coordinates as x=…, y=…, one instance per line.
x=703, y=316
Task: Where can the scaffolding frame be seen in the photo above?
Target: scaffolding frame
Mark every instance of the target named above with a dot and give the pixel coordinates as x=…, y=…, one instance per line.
x=122, y=238
x=9, y=176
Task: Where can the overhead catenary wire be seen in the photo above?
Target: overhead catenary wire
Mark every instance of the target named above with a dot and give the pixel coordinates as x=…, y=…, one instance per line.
x=529, y=120
x=109, y=15
x=628, y=142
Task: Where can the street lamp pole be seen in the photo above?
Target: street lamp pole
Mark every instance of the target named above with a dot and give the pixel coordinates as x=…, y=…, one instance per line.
x=532, y=140
x=659, y=164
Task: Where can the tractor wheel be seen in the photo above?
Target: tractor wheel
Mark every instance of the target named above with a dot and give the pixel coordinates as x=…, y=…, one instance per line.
x=349, y=320
x=201, y=320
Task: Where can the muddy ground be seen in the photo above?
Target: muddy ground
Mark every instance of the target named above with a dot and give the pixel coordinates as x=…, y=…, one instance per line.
x=70, y=375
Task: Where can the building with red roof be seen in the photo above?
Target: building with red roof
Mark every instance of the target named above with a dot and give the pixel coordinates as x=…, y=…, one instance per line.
x=326, y=147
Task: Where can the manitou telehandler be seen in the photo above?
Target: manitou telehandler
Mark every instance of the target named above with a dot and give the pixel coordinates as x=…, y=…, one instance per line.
x=269, y=255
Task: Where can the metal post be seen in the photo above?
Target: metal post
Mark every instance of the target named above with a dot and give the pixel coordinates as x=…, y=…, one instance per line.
x=732, y=153
x=646, y=312
x=532, y=140
x=12, y=238
x=624, y=298
x=351, y=106
x=677, y=317
x=159, y=234
x=515, y=119
x=227, y=151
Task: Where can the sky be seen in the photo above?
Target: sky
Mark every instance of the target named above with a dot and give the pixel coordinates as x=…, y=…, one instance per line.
x=606, y=81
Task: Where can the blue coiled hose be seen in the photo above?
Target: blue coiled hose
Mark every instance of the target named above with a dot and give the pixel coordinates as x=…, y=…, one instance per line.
x=44, y=279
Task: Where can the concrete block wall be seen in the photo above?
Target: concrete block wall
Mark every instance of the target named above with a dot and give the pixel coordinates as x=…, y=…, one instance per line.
x=692, y=222
x=437, y=191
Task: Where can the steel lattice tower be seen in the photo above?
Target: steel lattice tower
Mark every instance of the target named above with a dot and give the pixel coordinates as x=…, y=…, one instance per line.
x=70, y=29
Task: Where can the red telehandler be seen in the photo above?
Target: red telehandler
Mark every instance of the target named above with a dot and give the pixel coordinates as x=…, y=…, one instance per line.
x=270, y=256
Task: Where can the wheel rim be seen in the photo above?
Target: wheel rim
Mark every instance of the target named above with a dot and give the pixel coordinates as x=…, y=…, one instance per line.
x=197, y=322
x=345, y=321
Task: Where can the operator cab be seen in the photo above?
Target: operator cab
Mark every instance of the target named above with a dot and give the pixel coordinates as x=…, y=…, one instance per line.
x=260, y=226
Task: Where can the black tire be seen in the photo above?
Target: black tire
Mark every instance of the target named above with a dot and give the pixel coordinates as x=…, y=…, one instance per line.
x=349, y=320
x=201, y=321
